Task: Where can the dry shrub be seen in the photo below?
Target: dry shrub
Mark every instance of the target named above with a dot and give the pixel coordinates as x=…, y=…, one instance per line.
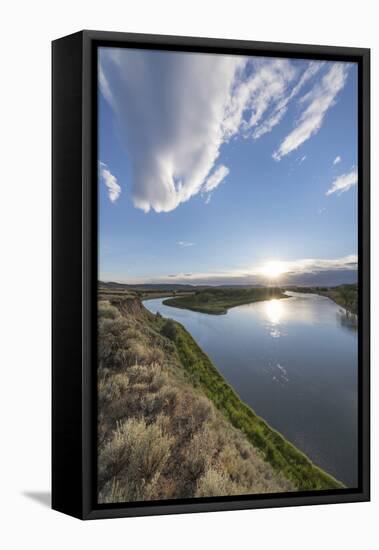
x=107, y=311
x=156, y=355
x=137, y=352
x=200, y=453
x=215, y=484
x=190, y=414
x=170, y=397
x=112, y=342
x=134, y=457
x=142, y=374
x=111, y=389
x=133, y=333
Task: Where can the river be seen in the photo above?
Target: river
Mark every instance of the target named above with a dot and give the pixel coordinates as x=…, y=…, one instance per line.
x=295, y=362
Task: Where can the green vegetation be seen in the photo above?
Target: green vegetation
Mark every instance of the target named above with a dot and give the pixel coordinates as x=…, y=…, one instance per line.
x=159, y=436
x=345, y=296
x=170, y=426
x=217, y=301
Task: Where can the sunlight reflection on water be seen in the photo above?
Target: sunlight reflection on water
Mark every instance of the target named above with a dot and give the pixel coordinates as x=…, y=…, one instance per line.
x=274, y=311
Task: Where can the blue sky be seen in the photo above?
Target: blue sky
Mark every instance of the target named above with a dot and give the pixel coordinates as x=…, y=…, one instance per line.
x=226, y=170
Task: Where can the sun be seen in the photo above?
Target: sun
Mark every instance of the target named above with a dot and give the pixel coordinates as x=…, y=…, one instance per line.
x=273, y=270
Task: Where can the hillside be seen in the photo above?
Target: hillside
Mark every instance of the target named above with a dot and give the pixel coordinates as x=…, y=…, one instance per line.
x=169, y=424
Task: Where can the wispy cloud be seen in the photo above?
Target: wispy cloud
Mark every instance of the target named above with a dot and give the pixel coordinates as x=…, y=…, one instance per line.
x=343, y=183
x=110, y=181
x=302, y=159
x=215, y=178
x=255, y=95
x=184, y=244
x=292, y=271
x=337, y=160
x=311, y=265
x=318, y=101
x=282, y=105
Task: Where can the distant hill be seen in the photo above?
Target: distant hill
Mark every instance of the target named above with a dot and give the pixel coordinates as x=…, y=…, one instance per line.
x=323, y=278
x=168, y=286
x=328, y=278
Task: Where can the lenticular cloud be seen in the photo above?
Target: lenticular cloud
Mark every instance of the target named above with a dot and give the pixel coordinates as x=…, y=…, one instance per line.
x=170, y=110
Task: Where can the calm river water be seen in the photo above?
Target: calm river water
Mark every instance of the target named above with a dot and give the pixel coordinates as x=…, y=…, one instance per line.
x=294, y=361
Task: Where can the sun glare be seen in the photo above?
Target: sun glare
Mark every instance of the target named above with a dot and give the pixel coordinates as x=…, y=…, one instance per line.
x=273, y=270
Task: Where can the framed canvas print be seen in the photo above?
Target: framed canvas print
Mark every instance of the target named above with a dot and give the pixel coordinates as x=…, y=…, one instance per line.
x=210, y=275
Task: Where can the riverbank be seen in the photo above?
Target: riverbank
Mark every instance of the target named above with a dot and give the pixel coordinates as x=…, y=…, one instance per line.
x=217, y=301
x=345, y=296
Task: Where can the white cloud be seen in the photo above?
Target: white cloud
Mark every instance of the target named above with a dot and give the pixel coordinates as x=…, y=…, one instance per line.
x=318, y=101
x=343, y=182
x=110, y=181
x=337, y=160
x=170, y=110
x=215, y=178
x=184, y=244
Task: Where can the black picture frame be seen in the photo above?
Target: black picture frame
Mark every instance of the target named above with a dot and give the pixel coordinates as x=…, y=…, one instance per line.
x=74, y=272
